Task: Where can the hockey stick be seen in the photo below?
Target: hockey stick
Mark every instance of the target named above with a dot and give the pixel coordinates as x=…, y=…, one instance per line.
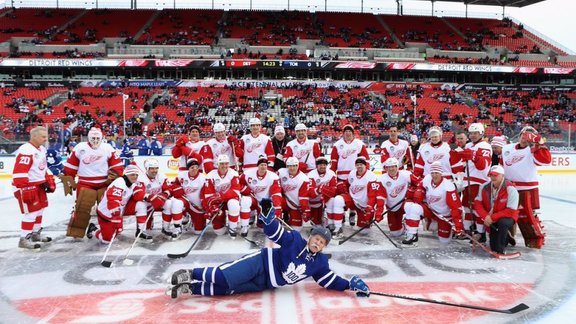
x=387, y=236
x=482, y=246
x=127, y=261
x=105, y=263
x=182, y=255
x=513, y=310
x=473, y=226
x=369, y=224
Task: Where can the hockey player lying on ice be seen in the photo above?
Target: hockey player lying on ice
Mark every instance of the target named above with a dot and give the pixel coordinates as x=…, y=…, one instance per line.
x=294, y=261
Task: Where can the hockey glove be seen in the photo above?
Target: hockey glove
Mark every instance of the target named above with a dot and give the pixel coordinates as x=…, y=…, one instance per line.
x=369, y=212
x=268, y=213
x=182, y=140
x=303, y=167
x=29, y=194
x=359, y=286
x=116, y=222
x=532, y=138
x=467, y=155
x=232, y=140
x=341, y=188
x=50, y=184
x=158, y=201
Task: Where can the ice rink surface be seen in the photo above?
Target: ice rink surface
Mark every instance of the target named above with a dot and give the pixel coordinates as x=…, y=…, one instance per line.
x=65, y=283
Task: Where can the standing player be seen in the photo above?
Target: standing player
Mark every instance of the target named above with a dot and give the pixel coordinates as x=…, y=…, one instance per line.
x=304, y=149
x=188, y=193
x=477, y=157
x=363, y=194
x=258, y=184
x=498, y=142
x=252, y=146
x=91, y=162
x=520, y=161
x=111, y=208
x=344, y=154
x=222, y=192
x=295, y=260
x=295, y=189
x=219, y=145
x=31, y=180
x=436, y=151
x=396, y=148
x=323, y=182
x=439, y=202
x=188, y=146
x=399, y=185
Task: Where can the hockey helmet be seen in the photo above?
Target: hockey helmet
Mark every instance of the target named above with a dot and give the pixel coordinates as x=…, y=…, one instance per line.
x=151, y=163
x=254, y=121
x=322, y=231
x=292, y=161
x=321, y=160
x=476, y=127
x=219, y=127
x=223, y=158
x=435, y=130
x=390, y=162
x=300, y=127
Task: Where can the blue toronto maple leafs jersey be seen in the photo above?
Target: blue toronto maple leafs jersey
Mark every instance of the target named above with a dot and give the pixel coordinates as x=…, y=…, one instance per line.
x=293, y=262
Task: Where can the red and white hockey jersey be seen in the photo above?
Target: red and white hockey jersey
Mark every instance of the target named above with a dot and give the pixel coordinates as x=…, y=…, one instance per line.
x=91, y=165
x=479, y=167
x=365, y=190
x=306, y=152
x=397, y=187
x=267, y=186
x=192, y=187
x=442, y=198
x=344, y=155
x=30, y=166
x=212, y=150
x=228, y=185
x=429, y=153
x=190, y=150
x=250, y=149
x=154, y=186
x=396, y=150
x=520, y=164
x=317, y=180
x=116, y=197
x=295, y=189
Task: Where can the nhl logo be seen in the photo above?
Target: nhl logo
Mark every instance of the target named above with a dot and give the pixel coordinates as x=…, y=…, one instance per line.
x=217, y=181
x=388, y=183
x=254, y=181
x=82, y=152
x=507, y=153
x=148, y=186
x=392, y=148
x=284, y=179
x=186, y=181
x=341, y=146
x=426, y=152
x=351, y=180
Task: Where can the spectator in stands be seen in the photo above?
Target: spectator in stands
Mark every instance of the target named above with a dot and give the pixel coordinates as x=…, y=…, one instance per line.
x=279, y=142
x=156, y=146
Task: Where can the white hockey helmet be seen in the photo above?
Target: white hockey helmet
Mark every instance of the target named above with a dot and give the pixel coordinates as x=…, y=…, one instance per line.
x=300, y=127
x=223, y=158
x=254, y=121
x=435, y=130
x=151, y=163
x=529, y=129
x=95, y=137
x=391, y=162
x=219, y=127
x=292, y=161
x=476, y=127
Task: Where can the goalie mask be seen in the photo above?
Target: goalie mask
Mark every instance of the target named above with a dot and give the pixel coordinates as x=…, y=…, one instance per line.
x=95, y=137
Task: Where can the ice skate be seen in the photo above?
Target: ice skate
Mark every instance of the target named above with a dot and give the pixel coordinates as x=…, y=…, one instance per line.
x=180, y=276
x=179, y=290
x=38, y=237
x=26, y=243
x=411, y=239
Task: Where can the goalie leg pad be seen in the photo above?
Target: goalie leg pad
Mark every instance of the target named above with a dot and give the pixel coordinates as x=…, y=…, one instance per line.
x=529, y=223
x=81, y=217
x=68, y=183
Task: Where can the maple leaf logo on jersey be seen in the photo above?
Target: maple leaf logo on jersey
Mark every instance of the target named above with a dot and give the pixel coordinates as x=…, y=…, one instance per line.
x=348, y=153
x=514, y=160
x=289, y=187
x=357, y=189
x=252, y=147
x=91, y=158
x=434, y=158
x=302, y=153
x=433, y=199
x=294, y=273
x=397, y=191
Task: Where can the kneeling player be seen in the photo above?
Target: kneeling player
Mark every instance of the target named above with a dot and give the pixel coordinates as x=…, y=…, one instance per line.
x=188, y=192
x=323, y=185
x=111, y=208
x=295, y=260
x=295, y=189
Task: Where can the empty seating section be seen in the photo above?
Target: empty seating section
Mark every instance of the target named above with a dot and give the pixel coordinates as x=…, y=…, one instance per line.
x=39, y=23
x=95, y=25
x=431, y=30
x=183, y=27
x=353, y=30
x=270, y=27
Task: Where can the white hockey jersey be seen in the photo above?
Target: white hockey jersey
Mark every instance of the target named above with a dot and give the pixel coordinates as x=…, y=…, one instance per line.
x=344, y=156
x=327, y=178
x=30, y=166
x=192, y=188
x=360, y=187
x=196, y=148
x=428, y=154
x=262, y=187
x=212, y=150
x=396, y=188
x=305, y=152
x=396, y=150
x=295, y=189
x=254, y=147
x=91, y=164
x=442, y=198
x=154, y=186
x=520, y=166
x=483, y=151
x=115, y=198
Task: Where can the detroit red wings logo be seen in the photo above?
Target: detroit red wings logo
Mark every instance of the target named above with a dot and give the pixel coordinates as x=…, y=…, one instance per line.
x=289, y=187
x=91, y=158
x=252, y=147
x=357, y=189
x=348, y=153
x=433, y=199
x=434, y=158
x=223, y=187
x=514, y=160
x=302, y=153
x=190, y=190
x=258, y=189
x=223, y=149
x=397, y=191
